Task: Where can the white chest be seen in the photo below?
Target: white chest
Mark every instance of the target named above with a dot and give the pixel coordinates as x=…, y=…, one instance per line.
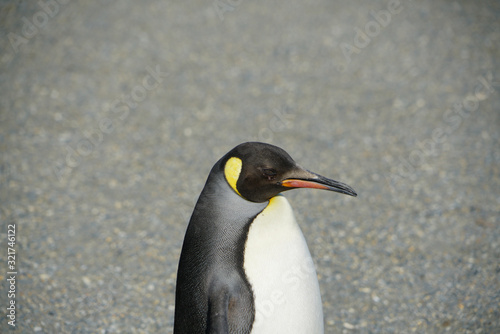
x=281, y=271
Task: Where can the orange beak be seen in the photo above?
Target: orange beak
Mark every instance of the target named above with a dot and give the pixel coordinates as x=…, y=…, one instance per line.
x=316, y=181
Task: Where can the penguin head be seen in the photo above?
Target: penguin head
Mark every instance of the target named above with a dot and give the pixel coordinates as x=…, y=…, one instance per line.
x=259, y=171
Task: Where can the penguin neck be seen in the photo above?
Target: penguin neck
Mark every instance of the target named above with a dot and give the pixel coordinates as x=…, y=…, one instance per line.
x=222, y=217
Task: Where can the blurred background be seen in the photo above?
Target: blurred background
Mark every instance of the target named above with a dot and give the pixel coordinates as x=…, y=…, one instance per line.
x=113, y=112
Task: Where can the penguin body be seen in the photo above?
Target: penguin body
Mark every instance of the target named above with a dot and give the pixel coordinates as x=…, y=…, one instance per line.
x=245, y=266
x=281, y=272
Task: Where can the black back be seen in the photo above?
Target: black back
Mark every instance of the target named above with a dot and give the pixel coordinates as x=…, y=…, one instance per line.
x=212, y=289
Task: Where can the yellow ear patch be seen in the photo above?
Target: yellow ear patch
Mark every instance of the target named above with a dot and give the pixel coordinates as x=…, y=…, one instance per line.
x=232, y=172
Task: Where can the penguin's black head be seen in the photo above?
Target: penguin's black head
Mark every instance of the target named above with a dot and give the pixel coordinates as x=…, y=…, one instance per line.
x=258, y=172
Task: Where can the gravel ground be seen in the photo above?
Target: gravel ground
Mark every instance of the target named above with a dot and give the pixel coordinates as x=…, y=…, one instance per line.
x=113, y=112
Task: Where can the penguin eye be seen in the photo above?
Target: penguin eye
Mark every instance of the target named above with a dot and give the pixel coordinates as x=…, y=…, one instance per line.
x=269, y=173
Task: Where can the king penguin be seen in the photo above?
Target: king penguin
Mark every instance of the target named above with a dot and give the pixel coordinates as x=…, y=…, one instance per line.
x=245, y=266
